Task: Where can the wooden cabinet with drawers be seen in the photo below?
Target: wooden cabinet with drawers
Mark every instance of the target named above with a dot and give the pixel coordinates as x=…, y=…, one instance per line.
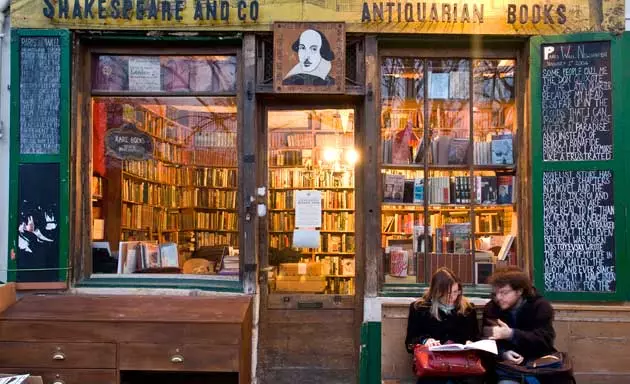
x=72, y=339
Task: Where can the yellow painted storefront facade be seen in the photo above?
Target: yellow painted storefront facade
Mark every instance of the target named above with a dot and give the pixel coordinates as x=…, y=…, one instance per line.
x=491, y=17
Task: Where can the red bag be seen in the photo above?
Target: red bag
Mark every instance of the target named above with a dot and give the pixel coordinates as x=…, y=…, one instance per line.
x=461, y=363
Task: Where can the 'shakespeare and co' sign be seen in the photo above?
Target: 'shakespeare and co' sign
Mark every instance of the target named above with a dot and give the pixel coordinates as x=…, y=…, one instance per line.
x=505, y=17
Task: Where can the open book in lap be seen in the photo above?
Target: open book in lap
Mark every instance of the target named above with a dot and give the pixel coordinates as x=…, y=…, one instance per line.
x=481, y=345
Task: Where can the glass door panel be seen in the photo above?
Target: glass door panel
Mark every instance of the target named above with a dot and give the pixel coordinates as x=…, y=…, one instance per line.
x=311, y=158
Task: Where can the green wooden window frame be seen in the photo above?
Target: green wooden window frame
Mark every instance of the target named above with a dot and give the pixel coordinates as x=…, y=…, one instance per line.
x=62, y=158
x=619, y=165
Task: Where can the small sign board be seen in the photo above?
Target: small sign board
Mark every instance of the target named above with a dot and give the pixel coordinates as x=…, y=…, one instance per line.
x=129, y=143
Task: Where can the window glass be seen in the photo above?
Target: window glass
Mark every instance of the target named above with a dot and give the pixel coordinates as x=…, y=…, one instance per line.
x=164, y=73
x=311, y=161
x=448, y=190
x=165, y=185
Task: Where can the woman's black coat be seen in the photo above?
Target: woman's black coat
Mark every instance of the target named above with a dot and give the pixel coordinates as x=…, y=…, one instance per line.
x=453, y=327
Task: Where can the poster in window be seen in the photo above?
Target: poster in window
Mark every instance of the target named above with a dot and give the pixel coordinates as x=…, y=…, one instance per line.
x=309, y=57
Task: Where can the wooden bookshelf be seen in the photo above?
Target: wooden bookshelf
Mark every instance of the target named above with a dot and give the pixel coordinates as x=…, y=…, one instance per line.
x=449, y=174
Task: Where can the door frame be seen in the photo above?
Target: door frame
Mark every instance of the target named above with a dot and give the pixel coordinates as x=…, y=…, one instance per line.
x=297, y=302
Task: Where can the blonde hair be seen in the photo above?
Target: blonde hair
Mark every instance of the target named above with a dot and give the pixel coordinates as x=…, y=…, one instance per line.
x=442, y=282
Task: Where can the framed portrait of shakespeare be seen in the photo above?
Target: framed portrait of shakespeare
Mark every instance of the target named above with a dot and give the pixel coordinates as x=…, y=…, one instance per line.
x=309, y=57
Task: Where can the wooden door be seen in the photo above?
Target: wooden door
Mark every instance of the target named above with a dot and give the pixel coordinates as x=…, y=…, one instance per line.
x=310, y=312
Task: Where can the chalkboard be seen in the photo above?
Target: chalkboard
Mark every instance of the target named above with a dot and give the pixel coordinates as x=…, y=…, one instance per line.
x=38, y=223
x=576, y=102
x=40, y=92
x=578, y=231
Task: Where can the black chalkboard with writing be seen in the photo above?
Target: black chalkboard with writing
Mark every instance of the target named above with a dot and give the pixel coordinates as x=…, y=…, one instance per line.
x=576, y=101
x=40, y=93
x=578, y=231
x=37, y=256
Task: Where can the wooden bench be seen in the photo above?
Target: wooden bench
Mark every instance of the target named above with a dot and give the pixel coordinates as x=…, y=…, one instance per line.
x=78, y=339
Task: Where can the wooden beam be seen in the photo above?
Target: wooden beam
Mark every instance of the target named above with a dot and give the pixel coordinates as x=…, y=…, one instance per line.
x=370, y=168
x=248, y=142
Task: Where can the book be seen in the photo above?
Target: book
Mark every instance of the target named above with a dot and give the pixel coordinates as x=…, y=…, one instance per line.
x=481, y=345
x=393, y=188
x=458, y=151
x=502, y=153
x=408, y=195
x=418, y=191
x=505, y=247
x=399, y=262
x=505, y=187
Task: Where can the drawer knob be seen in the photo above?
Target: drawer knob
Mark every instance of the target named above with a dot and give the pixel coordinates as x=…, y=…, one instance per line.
x=59, y=356
x=177, y=359
x=58, y=382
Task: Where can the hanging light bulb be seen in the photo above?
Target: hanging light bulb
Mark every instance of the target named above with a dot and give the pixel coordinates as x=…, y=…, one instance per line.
x=352, y=156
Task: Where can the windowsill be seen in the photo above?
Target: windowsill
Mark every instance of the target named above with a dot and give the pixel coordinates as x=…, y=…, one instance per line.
x=214, y=283
x=417, y=290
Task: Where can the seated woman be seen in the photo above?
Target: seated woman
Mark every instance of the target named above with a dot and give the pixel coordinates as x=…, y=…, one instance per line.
x=442, y=315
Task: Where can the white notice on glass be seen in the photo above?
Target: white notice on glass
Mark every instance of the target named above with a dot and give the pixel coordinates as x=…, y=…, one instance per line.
x=306, y=238
x=438, y=85
x=308, y=209
x=144, y=74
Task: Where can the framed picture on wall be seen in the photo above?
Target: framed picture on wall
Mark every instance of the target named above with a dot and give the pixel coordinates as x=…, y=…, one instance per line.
x=309, y=57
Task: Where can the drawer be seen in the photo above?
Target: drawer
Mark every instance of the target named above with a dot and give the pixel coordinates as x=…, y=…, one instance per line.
x=69, y=376
x=57, y=355
x=187, y=357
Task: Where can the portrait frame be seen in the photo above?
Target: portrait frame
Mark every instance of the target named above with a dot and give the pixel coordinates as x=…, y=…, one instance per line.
x=322, y=70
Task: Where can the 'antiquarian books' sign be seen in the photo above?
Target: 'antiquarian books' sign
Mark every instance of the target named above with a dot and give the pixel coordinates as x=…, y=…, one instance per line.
x=309, y=57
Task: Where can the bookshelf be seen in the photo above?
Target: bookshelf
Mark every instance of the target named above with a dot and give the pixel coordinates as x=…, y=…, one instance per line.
x=186, y=192
x=313, y=150
x=447, y=164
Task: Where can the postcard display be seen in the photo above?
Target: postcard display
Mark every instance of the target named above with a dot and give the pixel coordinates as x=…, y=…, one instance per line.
x=448, y=167
x=165, y=183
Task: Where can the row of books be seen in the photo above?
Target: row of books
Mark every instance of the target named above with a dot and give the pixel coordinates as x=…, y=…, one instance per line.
x=137, y=217
x=339, y=221
x=448, y=150
x=450, y=189
x=142, y=192
x=293, y=178
x=330, y=199
x=485, y=222
x=216, y=157
x=395, y=116
x=157, y=126
x=219, y=220
x=288, y=158
x=205, y=139
x=293, y=140
x=198, y=176
x=338, y=266
x=329, y=242
x=168, y=196
x=202, y=239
